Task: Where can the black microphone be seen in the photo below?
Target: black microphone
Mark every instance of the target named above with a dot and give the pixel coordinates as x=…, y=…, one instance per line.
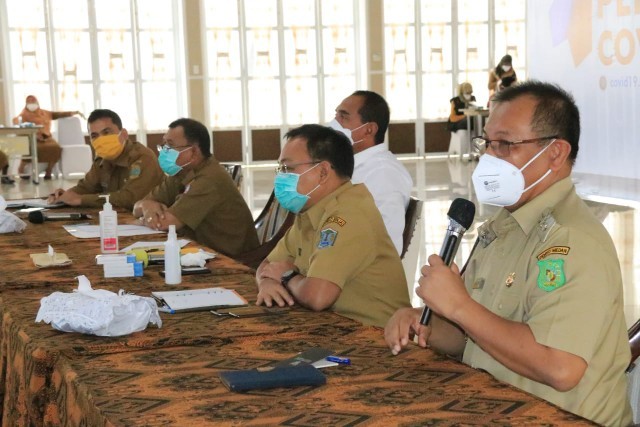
x=38, y=217
x=461, y=213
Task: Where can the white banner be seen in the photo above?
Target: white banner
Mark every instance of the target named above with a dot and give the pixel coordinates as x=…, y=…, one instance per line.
x=592, y=49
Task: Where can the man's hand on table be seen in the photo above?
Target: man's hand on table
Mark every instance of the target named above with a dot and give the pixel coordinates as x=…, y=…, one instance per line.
x=401, y=328
x=270, y=290
x=68, y=197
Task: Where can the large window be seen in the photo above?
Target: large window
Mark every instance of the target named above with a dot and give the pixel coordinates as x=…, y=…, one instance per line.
x=279, y=63
x=433, y=45
x=81, y=55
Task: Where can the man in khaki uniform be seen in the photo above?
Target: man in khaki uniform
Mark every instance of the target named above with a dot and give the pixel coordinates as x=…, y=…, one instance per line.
x=124, y=169
x=338, y=254
x=198, y=197
x=541, y=303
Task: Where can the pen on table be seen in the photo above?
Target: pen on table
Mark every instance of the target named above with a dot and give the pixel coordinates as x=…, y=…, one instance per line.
x=340, y=360
x=166, y=310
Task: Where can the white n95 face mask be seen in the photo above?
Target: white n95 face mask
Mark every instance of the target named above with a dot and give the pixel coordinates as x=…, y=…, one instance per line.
x=335, y=125
x=499, y=183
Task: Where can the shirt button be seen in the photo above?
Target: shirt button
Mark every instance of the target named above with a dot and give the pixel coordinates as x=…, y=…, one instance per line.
x=499, y=306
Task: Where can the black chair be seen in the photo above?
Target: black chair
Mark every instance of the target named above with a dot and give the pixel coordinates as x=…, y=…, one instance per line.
x=271, y=225
x=235, y=171
x=634, y=341
x=411, y=217
x=633, y=371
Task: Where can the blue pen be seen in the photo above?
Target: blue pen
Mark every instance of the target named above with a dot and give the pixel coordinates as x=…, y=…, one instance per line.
x=340, y=360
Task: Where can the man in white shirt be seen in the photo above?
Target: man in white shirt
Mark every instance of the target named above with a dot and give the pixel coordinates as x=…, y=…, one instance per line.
x=364, y=117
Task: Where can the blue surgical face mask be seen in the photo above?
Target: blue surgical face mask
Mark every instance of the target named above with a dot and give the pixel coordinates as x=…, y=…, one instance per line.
x=286, y=191
x=167, y=160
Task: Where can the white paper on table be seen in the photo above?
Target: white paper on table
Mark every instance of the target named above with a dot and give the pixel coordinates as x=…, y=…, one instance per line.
x=153, y=245
x=93, y=231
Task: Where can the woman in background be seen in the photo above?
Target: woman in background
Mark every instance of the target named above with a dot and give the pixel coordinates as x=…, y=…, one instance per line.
x=4, y=167
x=503, y=71
x=465, y=97
x=48, y=149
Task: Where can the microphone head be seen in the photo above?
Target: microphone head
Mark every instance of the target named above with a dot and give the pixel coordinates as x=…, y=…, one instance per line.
x=36, y=217
x=462, y=211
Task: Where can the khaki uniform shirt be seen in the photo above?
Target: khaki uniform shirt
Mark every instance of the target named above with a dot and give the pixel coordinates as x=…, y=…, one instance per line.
x=210, y=206
x=343, y=239
x=552, y=265
x=127, y=179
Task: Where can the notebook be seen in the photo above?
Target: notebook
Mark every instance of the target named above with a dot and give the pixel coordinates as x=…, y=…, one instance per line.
x=32, y=203
x=272, y=377
x=198, y=299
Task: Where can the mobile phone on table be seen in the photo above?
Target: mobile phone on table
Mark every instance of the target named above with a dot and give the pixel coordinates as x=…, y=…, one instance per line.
x=186, y=271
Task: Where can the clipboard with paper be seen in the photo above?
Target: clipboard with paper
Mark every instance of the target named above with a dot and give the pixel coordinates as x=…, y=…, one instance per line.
x=198, y=299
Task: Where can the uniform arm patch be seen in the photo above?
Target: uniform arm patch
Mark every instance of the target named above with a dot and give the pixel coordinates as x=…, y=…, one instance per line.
x=551, y=274
x=327, y=238
x=135, y=169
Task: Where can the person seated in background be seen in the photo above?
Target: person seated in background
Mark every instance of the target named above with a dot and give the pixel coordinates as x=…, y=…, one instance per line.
x=503, y=70
x=364, y=118
x=532, y=308
x=198, y=196
x=457, y=119
x=4, y=166
x=337, y=254
x=124, y=169
x=49, y=151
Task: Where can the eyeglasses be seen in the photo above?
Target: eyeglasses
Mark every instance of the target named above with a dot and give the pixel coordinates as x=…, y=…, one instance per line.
x=501, y=147
x=167, y=147
x=291, y=167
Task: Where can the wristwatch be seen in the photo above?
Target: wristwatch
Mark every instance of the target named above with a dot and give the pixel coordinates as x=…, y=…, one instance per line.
x=287, y=276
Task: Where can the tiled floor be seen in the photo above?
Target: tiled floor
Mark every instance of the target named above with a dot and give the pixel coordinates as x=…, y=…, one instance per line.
x=438, y=181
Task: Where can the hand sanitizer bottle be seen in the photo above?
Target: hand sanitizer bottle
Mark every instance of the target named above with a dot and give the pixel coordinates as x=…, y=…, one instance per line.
x=108, y=228
x=172, y=268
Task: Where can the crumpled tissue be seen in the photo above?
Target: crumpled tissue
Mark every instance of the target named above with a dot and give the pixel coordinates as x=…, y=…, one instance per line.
x=98, y=311
x=9, y=223
x=196, y=259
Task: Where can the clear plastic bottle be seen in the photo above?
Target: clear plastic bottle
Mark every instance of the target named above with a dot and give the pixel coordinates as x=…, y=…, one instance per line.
x=172, y=268
x=108, y=228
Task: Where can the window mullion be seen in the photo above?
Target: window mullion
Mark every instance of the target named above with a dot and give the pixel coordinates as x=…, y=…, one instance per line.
x=320, y=62
x=51, y=56
x=137, y=72
x=282, y=66
x=418, y=148
x=455, y=48
x=95, y=59
x=244, y=84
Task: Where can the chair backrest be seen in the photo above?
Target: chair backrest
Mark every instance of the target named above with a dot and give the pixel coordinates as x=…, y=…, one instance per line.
x=411, y=217
x=271, y=220
x=634, y=341
x=70, y=131
x=235, y=170
x=271, y=225
x=633, y=371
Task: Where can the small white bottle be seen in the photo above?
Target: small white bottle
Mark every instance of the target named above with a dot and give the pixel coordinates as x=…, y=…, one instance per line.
x=172, y=268
x=108, y=228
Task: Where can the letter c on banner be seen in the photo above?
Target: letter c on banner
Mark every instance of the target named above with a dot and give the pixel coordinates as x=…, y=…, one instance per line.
x=605, y=57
